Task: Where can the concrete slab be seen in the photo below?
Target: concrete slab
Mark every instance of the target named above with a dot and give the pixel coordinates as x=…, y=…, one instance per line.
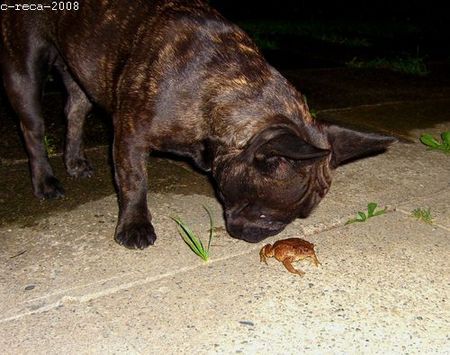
x=401, y=175
x=382, y=287
x=73, y=254
x=373, y=293
x=68, y=329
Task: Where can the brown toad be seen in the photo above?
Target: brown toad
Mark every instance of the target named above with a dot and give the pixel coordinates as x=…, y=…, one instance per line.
x=288, y=251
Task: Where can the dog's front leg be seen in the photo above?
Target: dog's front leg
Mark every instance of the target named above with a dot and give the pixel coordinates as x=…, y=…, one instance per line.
x=130, y=151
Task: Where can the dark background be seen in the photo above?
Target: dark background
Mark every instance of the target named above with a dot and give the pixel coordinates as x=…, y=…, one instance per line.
x=429, y=19
x=427, y=12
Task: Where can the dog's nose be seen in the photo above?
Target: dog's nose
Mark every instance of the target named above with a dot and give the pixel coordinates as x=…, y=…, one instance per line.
x=252, y=233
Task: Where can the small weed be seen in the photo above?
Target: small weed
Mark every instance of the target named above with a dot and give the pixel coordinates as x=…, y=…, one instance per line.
x=413, y=65
x=433, y=144
x=50, y=146
x=191, y=239
x=362, y=217
x=422, y=214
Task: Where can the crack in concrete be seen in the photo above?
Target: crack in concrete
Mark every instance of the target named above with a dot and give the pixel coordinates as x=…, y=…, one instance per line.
x=67, y=299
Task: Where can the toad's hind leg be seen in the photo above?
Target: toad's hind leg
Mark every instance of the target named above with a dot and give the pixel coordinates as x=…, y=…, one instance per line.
x=288, y=265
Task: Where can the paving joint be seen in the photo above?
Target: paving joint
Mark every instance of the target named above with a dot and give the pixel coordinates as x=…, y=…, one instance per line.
x=67, y=299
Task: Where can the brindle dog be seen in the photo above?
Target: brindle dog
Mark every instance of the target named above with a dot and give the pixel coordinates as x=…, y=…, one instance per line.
x=175, y=76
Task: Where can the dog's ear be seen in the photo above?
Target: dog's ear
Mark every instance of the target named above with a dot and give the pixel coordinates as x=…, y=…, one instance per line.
x=347, y=144
x=282, y=141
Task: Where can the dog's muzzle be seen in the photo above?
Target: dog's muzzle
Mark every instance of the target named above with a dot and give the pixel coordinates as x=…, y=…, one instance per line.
x=240, y=227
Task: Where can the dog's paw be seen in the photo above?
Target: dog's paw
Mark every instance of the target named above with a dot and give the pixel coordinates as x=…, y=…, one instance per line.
x=49, y=189
x=136, y=235
x=79, y=168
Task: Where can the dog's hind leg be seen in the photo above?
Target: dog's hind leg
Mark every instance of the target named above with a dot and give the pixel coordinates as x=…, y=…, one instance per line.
x=77, y=108
x=23, y=78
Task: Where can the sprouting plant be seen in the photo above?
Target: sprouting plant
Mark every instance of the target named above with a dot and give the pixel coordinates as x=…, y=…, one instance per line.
x=433, y=144
x=423, y=215
x=50, y=146
x=192, y=240
x=371, y=212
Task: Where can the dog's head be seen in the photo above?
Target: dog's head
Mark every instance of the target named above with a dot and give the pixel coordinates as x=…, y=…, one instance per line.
x=280, y=176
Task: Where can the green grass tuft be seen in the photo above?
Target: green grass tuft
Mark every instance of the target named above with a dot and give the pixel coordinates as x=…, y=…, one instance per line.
x=192, y=240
